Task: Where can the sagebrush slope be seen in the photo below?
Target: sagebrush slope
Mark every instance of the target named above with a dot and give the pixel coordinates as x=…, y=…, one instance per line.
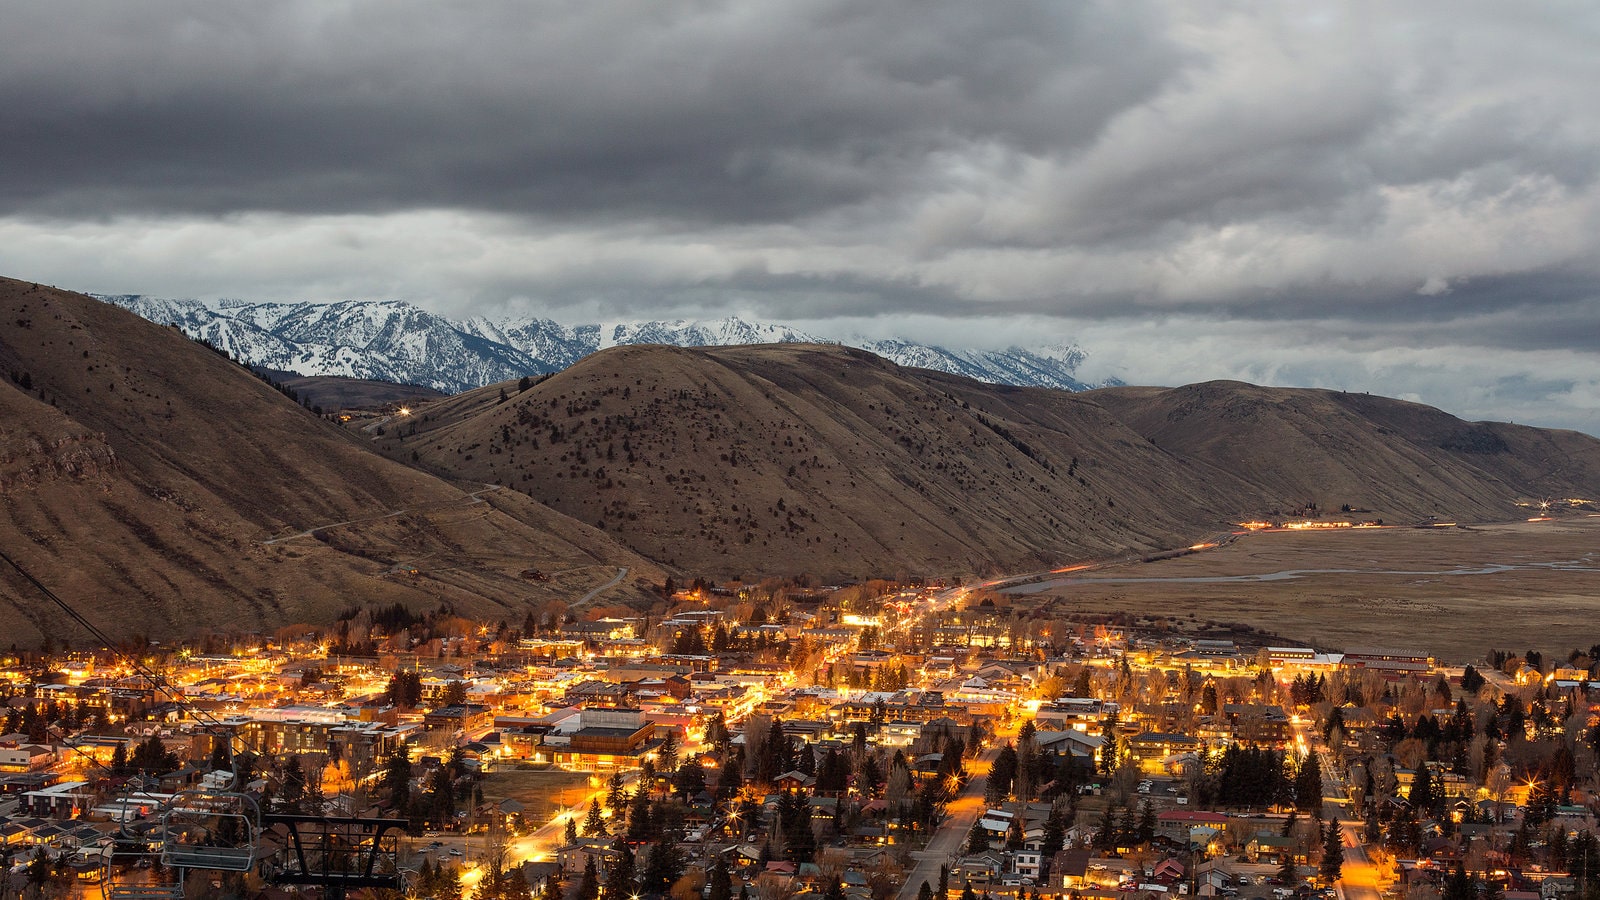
x=823, y=459
x=143, y=476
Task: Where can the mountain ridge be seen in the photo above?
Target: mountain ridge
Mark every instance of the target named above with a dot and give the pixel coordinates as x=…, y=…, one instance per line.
x=392, y=340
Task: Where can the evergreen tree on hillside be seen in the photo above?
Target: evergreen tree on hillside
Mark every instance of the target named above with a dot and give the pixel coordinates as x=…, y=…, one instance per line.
x=1055, y=834
x=291, y=788
x=153, y=758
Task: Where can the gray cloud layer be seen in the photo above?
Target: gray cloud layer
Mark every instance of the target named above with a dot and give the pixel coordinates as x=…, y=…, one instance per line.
x=1361, y=195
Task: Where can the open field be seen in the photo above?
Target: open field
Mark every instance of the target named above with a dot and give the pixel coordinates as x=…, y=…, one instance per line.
x=1454, y=592
x=542, y=791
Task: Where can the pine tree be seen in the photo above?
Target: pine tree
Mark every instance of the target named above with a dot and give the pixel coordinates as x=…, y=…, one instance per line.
x=664, y=866
x=1332, y=866
x=1001, y=776
x=292, y=787
x=619, y=873
x=616, y=795
x=397, y=780
x=1055, y=834
x=640, y=826
x=571, y=834
x=589, y=884
x=595, y=825
x=315, y=803
x=1146, y=830
x=220, y=755
x=977, y=839
x=449, y=884
x=668, y=752
x=1422, y=795
x=1459, y=886
x=690, y=779
x=1308, y=784
x=720, y=882
x=1105, y=836
x=925, y=892
x=794, y=811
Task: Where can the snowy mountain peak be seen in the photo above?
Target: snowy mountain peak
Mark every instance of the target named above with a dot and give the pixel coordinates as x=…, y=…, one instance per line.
x=393, y=340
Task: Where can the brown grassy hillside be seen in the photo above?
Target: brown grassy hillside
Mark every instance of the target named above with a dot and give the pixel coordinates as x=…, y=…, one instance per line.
x=795, y=458
x=333, y=392
x=1400, y=460
x=823, y=459
x=141, y=476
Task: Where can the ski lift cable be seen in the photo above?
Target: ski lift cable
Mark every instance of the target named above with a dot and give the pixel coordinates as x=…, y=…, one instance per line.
x=155, y=678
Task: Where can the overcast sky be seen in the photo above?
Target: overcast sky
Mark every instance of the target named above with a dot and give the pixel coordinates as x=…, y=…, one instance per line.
x=1392, y=197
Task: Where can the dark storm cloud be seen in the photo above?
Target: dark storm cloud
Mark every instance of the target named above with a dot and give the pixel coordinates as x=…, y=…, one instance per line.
x=686, y=112
x=1348, y=194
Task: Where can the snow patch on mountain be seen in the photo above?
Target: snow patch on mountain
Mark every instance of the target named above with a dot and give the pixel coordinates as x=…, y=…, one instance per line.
x=391, y=340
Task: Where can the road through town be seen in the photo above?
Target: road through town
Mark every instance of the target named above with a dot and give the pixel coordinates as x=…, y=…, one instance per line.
x=946, y=841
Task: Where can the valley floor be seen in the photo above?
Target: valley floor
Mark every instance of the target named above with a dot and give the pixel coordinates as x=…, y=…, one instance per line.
x=1450, y=591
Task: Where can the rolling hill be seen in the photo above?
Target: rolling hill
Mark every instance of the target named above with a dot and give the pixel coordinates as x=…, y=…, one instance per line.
x=1402, y=460
x=823, y=459
x=162, y=489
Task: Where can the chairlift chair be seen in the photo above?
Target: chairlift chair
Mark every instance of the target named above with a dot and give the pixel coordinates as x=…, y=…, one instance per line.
x=217, y=830
x=121, y=876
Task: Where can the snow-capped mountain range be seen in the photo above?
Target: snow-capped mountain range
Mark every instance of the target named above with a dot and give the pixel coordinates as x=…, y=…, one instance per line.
x=391, y=340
